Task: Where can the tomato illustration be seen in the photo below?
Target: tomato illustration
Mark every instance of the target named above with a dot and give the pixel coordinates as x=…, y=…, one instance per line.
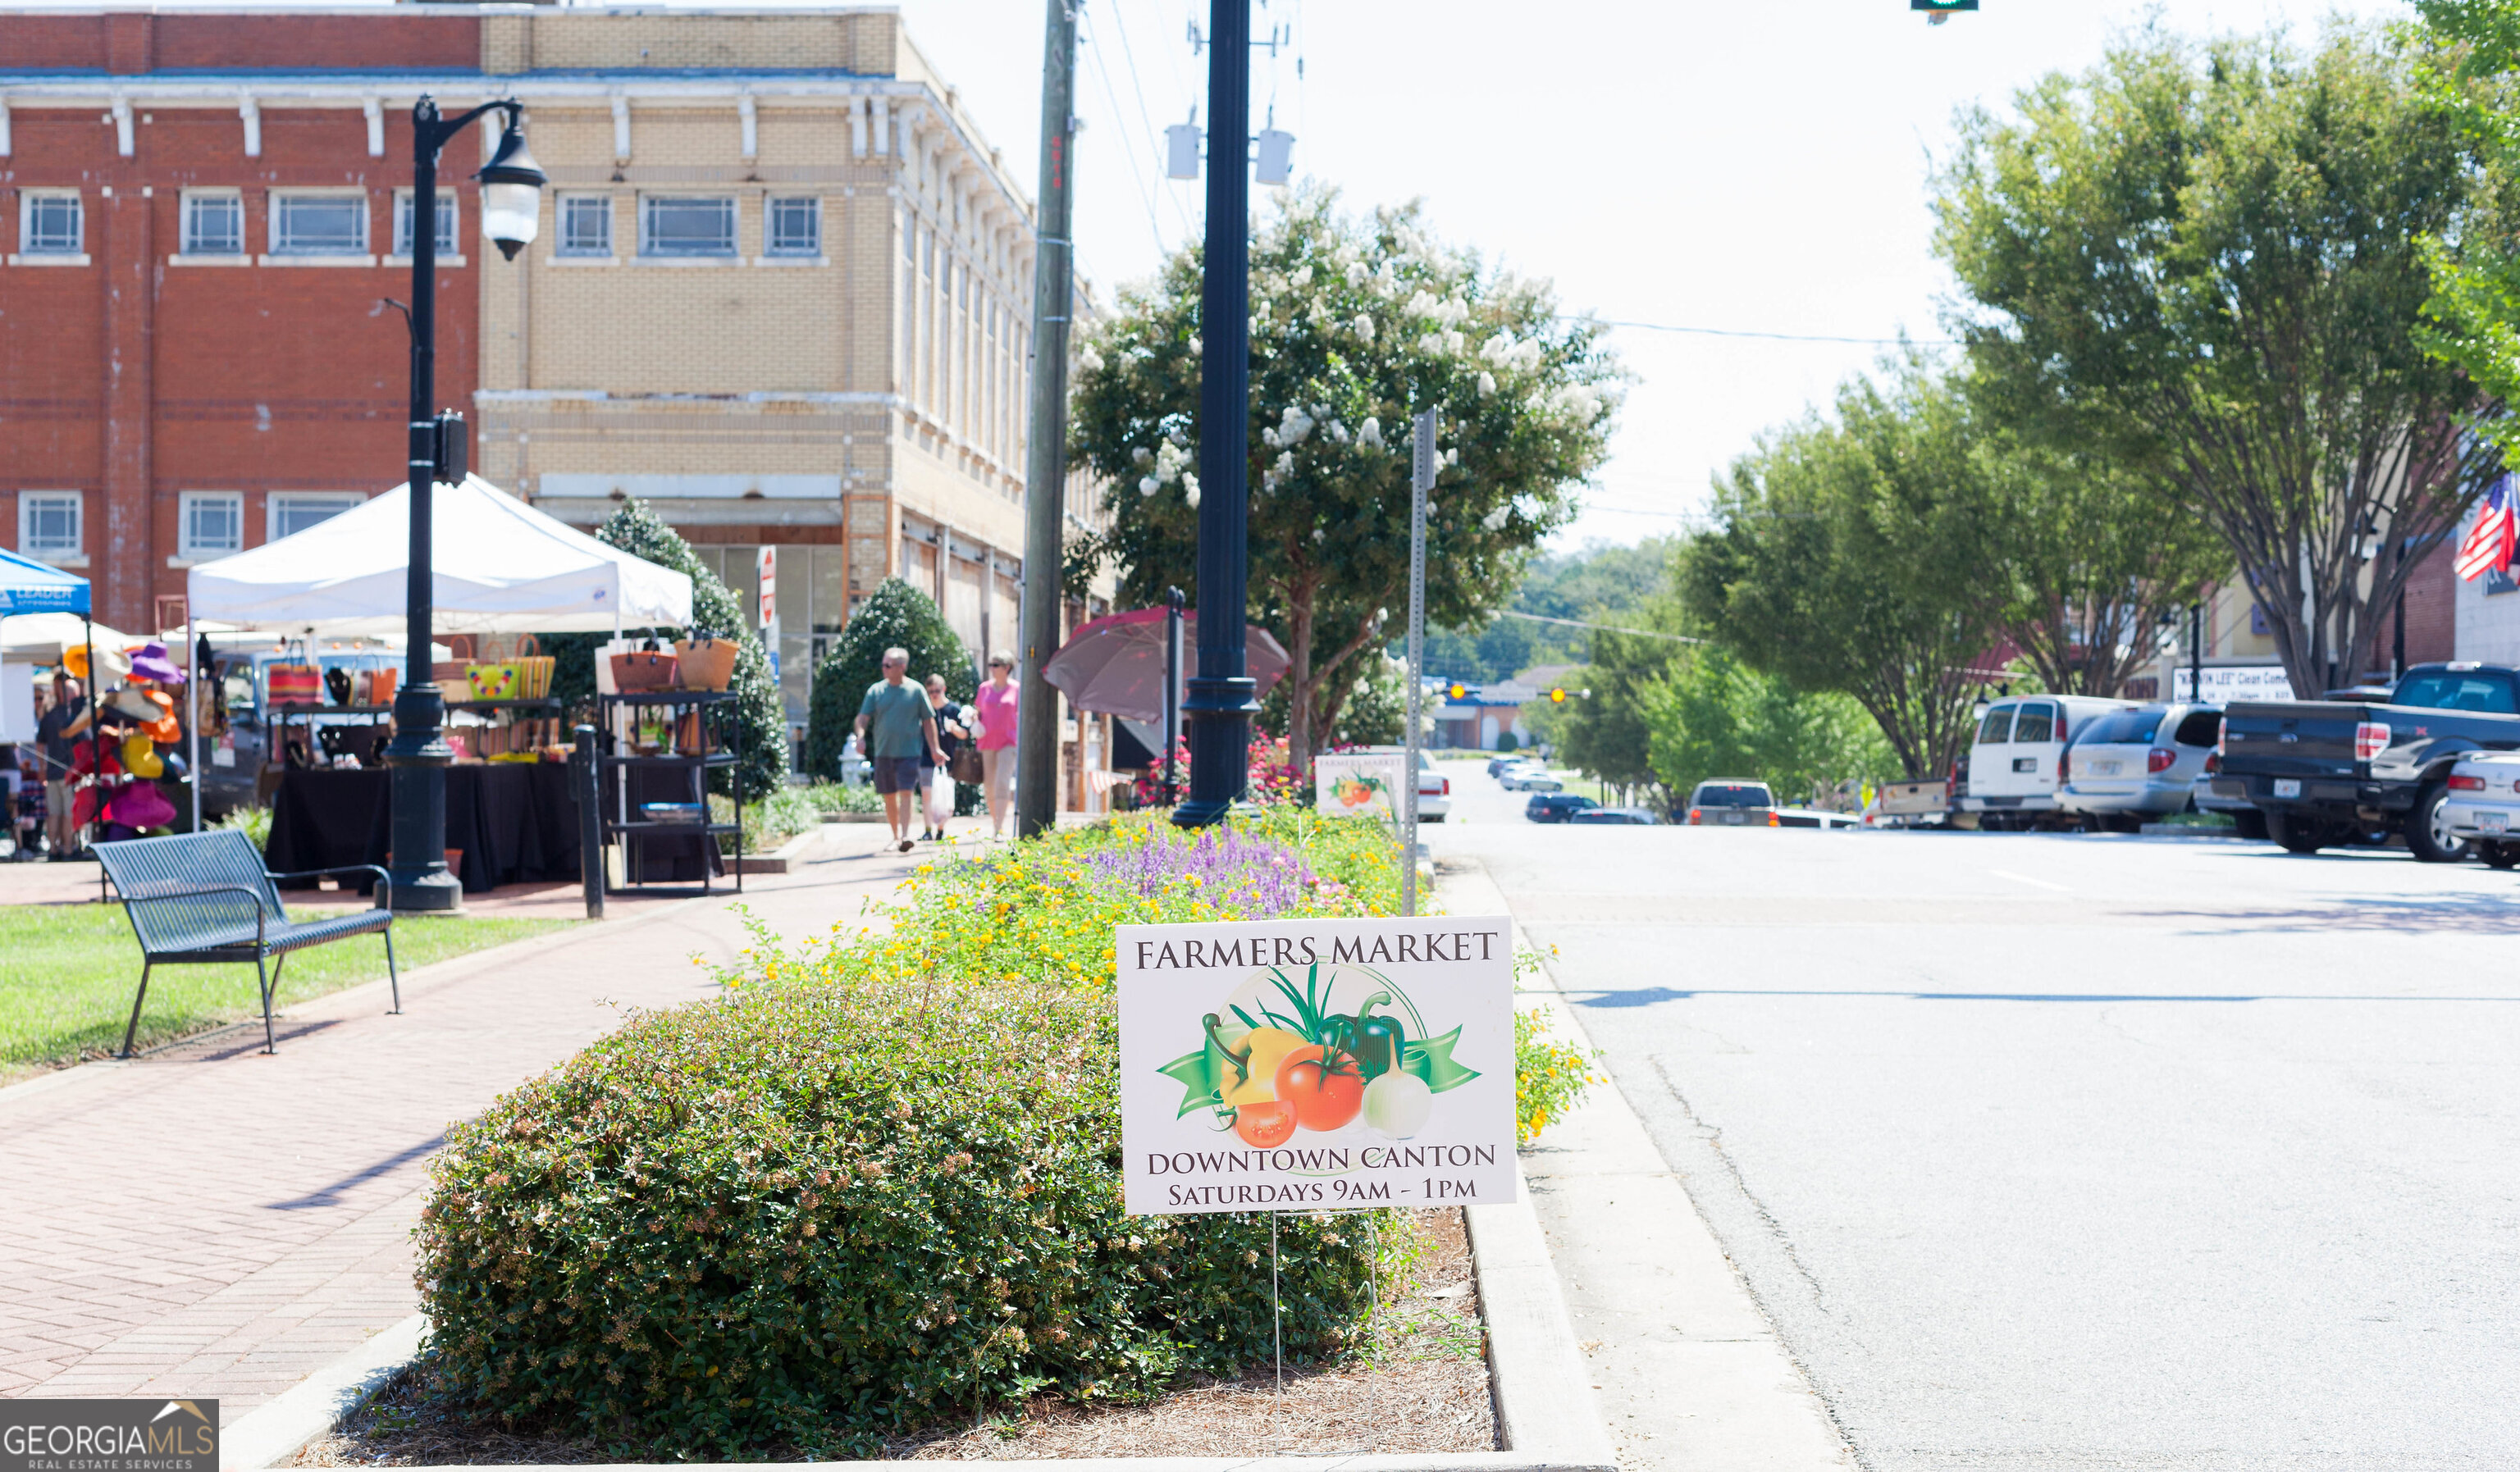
x=1324, y=1086
x=1265, y=1125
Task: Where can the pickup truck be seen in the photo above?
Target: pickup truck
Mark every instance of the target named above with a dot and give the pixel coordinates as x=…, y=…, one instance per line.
x=2325, y=771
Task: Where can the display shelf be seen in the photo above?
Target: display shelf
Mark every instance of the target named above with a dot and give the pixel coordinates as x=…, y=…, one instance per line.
x=720, y=736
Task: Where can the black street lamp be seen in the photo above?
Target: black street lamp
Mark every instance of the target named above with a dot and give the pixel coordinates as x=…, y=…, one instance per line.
x=511, y=213
x=1223, y=697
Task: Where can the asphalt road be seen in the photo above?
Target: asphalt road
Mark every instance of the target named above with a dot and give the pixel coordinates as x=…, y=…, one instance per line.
x=2073, y=1152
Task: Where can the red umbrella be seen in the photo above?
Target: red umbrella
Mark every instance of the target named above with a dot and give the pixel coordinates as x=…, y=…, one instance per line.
x=1116, y=663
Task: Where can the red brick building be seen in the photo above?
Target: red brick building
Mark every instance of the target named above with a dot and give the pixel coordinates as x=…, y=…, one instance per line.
x=199, y=220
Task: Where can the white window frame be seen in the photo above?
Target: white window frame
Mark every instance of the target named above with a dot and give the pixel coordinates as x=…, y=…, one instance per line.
x=564, y=247
x=27, y=253
x=189, y=549
x=187, y=245
x=770, y=249
x=648, y=251
x=450, y=236
x=29, y=503
x=280, y=255
x=278, y=502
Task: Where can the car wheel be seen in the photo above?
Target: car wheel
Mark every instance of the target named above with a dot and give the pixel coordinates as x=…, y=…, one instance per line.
x=2250, y=824
x=2499, y=855
x=2428, y=834
x=2297, y=834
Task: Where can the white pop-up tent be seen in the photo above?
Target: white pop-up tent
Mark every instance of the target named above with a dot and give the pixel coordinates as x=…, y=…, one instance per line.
x=502, y=567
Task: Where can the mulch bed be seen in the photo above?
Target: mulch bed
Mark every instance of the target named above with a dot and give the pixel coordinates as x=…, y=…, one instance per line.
x=1427, y=1390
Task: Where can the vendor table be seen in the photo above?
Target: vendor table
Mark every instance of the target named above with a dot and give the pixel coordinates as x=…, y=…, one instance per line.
x=514, y=821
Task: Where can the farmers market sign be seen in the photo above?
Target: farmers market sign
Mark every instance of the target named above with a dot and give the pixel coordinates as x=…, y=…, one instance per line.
x=1358, y=784
x=1301, y=1065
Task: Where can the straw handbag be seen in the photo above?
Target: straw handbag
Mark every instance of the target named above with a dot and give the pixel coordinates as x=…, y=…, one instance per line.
x=708, y=662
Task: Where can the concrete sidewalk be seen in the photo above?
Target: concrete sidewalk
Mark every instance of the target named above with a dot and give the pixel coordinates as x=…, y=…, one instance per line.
x=208, y=1222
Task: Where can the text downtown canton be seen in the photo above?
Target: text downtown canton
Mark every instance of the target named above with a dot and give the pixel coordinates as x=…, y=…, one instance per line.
x=1312, y=1064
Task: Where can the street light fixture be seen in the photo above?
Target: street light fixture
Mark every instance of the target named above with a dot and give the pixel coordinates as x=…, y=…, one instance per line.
x=419, y=756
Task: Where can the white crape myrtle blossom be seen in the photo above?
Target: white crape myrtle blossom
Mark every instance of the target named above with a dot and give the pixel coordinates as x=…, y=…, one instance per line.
x=1190, y=488
x=1089, y=360
x=1363, y=326
x=1369, y=435
x=1487, y=385
x=1494, y=520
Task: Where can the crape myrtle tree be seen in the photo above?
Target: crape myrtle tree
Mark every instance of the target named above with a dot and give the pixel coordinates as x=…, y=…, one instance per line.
x=2205, y=263
x=2472, y=75
x=1355, y=323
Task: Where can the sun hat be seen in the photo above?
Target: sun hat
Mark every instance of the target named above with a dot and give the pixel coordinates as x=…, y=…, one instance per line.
x=150, y=661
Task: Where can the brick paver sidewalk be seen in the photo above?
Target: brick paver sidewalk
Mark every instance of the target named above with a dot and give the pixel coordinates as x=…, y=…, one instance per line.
x=211, y=1222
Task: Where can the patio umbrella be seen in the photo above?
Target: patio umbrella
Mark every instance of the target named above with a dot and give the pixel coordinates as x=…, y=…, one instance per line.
x=1115, y=664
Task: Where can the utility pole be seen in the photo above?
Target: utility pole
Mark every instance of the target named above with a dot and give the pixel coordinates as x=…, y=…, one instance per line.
x=1422, y=479
x=2196, y=652
x=1053, y=278
x=1223, y=697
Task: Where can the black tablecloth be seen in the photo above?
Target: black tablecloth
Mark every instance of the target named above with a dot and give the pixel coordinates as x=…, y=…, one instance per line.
x=514, y=822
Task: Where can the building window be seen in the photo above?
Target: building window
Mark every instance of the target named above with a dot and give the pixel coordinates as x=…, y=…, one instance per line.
x=292, y=512
x=586, y=224
x=796, y=227
x=214, y=525
x=446, y=216
x=319, y=224
x=687, y=227
x=48, y=524
x=51, y=225
x=213, y=225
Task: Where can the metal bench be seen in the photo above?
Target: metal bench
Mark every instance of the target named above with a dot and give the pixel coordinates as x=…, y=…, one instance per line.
x=201, y=898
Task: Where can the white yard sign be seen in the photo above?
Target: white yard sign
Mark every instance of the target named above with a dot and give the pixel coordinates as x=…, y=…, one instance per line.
x=1304, y=1065
x=1358, y=784
x=2228, y=684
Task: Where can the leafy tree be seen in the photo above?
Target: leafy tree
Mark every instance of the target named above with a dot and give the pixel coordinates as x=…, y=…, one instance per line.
x=2473, y=76
x=1604, y=731
x=1601, y=582
x=1354, y=324
x=1715, y=717
x=895, y=616
x=642, y=533
x=1846, y=556
x=2202, y=264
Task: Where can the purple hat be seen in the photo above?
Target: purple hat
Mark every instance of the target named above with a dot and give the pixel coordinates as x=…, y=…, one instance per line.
x=150, y=661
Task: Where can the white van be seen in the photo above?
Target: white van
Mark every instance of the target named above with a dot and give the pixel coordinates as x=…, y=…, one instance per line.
x=2015, y=762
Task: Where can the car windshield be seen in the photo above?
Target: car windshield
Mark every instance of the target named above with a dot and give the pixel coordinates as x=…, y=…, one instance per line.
x=2455, y=690
x=2123, y=728
x=1996, y=728
x=1733, y=795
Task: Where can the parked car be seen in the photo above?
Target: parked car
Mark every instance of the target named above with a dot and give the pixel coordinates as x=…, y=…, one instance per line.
x=1434, y=791
x=1498, y=763
x=1533, y=778
x=2329, y=771
x=2017, y=760
x=2483, y=808
x=1638, y=816
x=1906, y=804
x=1557, y=807
x=1812, y=818
x=2138, y=763
x=1731, y=802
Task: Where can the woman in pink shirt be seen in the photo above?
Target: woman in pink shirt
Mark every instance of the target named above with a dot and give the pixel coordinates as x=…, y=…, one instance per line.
x=996, y=704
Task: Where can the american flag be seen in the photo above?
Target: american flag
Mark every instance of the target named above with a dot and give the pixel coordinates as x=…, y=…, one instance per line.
x=2491, y=542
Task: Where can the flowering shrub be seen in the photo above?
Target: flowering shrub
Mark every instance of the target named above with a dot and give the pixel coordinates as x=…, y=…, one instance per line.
x=793, y=1221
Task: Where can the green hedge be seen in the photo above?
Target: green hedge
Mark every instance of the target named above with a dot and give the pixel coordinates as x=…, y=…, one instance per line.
x=807, y=1216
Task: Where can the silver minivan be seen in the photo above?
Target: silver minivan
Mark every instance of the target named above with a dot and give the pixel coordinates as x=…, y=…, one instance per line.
x=2017, y=762
x=2141, y=762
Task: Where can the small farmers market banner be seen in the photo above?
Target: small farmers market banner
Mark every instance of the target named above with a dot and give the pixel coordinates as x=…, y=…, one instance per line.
x=1311, y=1064
x=1358, y=784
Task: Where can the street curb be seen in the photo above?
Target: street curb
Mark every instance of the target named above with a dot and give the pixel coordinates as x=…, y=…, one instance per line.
x=1543, y=1396
x=1418, y=1462
x=775, y=860
x=273, y=1432
x=2182, y=830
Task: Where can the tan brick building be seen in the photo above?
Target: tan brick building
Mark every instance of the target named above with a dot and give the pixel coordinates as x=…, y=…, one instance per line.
x=783, y=292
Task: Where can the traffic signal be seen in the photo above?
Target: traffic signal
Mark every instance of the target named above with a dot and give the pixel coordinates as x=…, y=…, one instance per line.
x=1457, y=690
x=1558, y=697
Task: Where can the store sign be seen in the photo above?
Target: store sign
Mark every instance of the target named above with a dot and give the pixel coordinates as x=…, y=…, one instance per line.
x=1307, y=1066
x=1358, y=784
x=767, y=568
x=2226, y=684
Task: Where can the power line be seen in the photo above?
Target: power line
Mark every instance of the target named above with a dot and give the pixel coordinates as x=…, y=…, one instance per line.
x=1718, y=331
x=1137, y=84
x=1101, y=68
x=1581, y=623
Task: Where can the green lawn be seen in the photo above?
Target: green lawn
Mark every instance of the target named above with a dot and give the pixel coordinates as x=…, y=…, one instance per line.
x=68, y=972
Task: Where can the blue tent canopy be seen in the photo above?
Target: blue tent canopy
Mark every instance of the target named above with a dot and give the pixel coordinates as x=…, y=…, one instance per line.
x=31, y=587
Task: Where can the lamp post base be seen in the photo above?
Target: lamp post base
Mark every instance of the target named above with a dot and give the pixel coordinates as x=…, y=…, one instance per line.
x=419, y=756
x=432, y=891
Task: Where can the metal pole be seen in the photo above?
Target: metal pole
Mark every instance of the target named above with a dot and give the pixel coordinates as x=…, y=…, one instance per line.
x=1054, y=278
x=589, y=819
x=1172, y=694
x=1223, y=697
x=2398, y=641
x=95, y=744
x=1422, y=479
x=418, y=754
x=193, y=692
x=2196, y=652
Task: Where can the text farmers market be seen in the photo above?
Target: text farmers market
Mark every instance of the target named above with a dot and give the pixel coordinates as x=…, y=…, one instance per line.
x=1303, y=950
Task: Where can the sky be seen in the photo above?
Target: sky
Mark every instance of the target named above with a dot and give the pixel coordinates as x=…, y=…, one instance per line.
x=1748, y=167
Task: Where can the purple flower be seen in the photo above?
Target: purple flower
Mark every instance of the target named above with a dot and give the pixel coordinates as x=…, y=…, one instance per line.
x=1253, y=876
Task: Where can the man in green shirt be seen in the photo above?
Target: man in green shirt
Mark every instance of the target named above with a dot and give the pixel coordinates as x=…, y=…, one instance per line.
x=894, y=724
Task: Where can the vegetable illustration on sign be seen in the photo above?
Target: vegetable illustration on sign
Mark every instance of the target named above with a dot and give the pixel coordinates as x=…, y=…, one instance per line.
x=1280, y=1057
